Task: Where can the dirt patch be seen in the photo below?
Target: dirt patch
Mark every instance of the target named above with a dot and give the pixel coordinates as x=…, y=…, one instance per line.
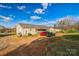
x=10, y=43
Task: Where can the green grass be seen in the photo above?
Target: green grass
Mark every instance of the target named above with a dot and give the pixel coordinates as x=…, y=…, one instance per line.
x=71, y=33
x=74, y=37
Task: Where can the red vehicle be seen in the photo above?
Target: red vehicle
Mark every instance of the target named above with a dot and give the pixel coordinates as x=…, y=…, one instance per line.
x=48, y=34
x=43, y=33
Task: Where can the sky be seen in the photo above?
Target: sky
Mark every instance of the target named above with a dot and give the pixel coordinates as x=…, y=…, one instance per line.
x=36, y=13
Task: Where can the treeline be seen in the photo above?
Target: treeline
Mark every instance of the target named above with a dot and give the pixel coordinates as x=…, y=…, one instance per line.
x=69, y=24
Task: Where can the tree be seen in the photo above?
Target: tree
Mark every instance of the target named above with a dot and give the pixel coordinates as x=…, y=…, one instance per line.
x=65, y=22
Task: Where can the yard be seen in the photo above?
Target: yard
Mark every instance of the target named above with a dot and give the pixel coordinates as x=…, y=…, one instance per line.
x=9, y=43
x=43, y=46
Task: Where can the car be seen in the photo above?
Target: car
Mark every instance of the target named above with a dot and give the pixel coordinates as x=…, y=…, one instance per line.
x=43, y=33
x=46, y=33
x=50, y=34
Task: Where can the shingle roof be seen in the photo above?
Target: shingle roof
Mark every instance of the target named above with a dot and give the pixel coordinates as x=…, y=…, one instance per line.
x=33, y=26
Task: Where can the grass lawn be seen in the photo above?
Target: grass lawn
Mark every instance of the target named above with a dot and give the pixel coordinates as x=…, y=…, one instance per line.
x=71, y=36
x=71, y=33
x=48, y=47
x=54, y=46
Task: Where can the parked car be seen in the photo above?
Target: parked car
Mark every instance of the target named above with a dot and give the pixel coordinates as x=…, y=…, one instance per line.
x=48, y=34
x=43, y=33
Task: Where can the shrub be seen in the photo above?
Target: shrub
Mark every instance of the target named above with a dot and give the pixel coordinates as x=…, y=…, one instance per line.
x=70, y=31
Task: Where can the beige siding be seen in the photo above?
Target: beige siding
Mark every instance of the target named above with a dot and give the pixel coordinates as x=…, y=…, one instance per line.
x=33, y=31
x=18, y=29
x=25, y=31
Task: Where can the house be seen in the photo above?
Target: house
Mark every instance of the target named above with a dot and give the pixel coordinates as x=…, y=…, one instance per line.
x=54, y=30
x=25, y=29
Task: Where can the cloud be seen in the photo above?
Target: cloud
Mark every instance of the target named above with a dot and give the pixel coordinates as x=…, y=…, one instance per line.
x=35, y=17
x=5, y=18
x=42, y=11
x=39, y=11
x=21, y=7
x=45, y=5
x=4, y=6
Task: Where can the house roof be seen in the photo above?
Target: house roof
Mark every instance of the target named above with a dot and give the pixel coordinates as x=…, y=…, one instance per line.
x=33, y=26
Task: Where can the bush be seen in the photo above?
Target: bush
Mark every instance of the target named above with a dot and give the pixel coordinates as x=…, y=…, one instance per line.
x=70, y=31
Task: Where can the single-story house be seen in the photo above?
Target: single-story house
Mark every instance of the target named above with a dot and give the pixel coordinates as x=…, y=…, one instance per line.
x=25, y=29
